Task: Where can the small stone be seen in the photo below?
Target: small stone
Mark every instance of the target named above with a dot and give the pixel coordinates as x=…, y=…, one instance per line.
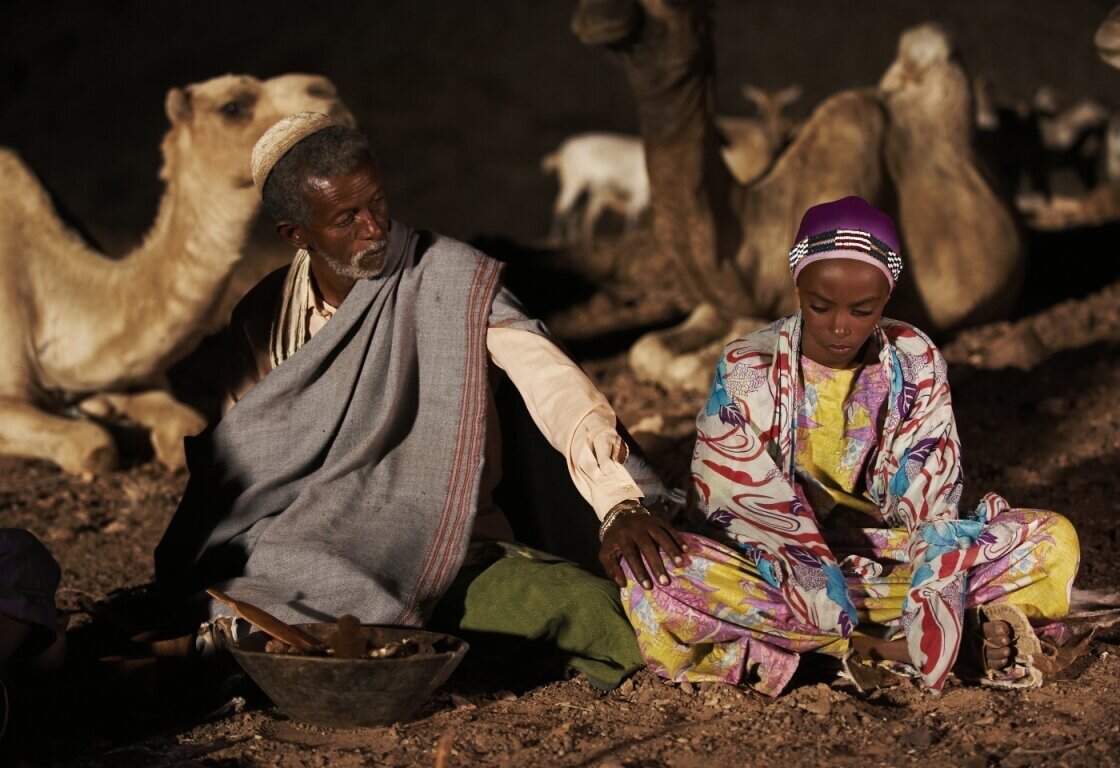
x=117, y=526
x=919, y=737
x=59, y=533
x=688, y=688
x=462, y=702
x=818, y=706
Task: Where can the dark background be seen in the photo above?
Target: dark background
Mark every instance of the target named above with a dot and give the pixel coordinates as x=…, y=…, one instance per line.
x=460, y=99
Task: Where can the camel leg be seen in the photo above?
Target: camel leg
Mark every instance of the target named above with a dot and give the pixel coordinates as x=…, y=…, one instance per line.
x=168, y=420
x=653, y=354
x=694, y=370
x=684, y=356
x=75, y=445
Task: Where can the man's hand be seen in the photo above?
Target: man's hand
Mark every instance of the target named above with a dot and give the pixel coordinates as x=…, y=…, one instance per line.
x=641, y=539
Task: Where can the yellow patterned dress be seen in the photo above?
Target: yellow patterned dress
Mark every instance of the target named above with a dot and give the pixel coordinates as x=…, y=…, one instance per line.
x=731, y=614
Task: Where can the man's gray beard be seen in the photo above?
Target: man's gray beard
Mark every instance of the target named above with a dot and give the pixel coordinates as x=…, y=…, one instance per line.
x=369, y=263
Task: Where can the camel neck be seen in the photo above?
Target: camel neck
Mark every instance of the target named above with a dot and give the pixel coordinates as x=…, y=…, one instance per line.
x=153, y=305
x=205, y=222
x=690, y=187
x=670, y=114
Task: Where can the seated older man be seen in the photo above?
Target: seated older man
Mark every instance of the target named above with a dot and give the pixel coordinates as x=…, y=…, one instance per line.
x=353, y=468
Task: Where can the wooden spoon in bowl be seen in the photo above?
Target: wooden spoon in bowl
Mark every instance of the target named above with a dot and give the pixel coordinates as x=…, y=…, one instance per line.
x=302, y=641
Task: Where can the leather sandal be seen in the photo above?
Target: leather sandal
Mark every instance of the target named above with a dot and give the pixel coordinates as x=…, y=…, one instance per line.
x=1020, y=671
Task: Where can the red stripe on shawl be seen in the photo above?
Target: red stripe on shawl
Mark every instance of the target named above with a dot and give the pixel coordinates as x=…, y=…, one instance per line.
x=738, y=354
x=931, y=642
x=770, y=435
x=957, y=562
x=742, y=478
x=435, y=573
x=717, y=443
x=932, y=645
x=797, y=603
x=703, y=488
x=474, y=395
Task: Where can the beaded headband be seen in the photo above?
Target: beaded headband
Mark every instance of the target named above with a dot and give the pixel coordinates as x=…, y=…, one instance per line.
x=846, y=244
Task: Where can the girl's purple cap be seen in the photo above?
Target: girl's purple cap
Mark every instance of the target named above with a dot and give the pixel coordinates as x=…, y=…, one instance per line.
x=847, y=228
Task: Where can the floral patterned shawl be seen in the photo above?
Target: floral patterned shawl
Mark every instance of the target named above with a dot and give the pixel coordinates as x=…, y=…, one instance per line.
x=746, y=494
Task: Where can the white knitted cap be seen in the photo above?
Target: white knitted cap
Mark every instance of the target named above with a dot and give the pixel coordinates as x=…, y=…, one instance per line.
x=280, y=138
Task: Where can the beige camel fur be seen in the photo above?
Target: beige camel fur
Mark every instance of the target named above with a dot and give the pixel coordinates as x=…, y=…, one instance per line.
x=964, y=256
x=83, y=329
x=752, y=143
x=729, y=241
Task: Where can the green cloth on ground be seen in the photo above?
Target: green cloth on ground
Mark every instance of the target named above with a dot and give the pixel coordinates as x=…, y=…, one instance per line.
x=554, y=606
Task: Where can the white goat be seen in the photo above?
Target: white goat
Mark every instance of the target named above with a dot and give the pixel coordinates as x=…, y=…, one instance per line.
x=609, y=169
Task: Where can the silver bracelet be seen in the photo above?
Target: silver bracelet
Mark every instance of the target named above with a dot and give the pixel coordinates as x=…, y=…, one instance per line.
x=623, y=508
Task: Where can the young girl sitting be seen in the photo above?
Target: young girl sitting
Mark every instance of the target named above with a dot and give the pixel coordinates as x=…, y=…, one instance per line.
x=826, y=481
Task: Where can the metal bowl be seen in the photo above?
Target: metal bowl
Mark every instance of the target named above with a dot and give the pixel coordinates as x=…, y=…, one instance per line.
x=351, y=693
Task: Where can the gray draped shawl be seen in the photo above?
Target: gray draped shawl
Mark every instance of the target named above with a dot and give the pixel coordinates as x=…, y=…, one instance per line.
x=329, y=488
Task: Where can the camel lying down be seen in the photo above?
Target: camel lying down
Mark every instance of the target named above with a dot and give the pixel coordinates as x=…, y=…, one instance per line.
x=82, y=329
x=905, y=146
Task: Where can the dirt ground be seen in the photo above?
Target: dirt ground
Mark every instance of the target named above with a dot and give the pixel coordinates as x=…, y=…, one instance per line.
x=1048, y=438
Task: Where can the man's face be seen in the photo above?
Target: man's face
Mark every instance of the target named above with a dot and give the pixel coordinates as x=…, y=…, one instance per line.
x=841, y=302
x=349, y=222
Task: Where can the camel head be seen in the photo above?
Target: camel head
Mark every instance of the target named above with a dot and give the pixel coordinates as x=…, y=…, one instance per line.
x=665, y=39
x=1107, y=38
x=214, y=124
x=927, y=85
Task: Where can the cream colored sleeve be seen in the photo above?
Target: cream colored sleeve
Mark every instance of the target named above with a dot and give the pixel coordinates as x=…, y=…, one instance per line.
x=570, y=412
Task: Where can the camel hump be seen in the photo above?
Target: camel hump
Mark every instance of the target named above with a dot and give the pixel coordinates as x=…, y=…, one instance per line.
x=11, y=162
x=855, y=101
x=840, y=137
x=21, y=185
x=848, y=121
x=25, y=197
